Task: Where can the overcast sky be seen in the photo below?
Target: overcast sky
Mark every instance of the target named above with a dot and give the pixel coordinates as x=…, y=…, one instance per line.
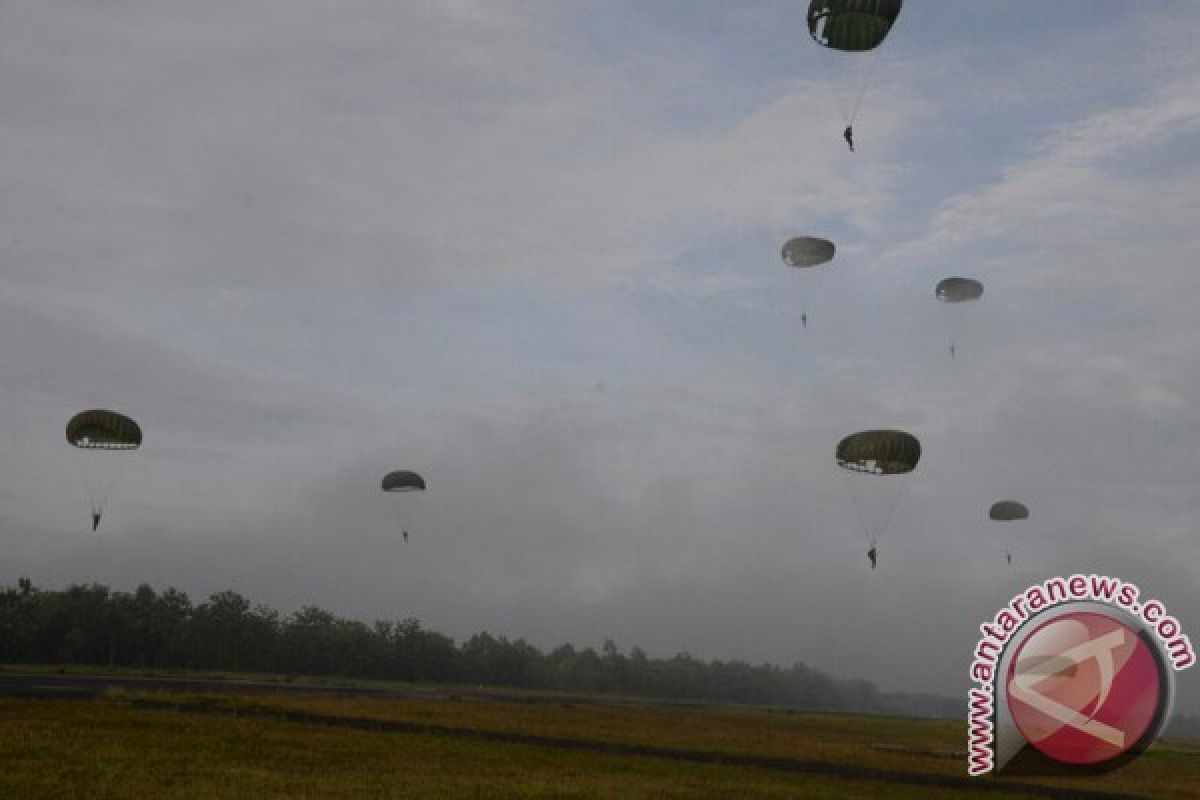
x=531, y=250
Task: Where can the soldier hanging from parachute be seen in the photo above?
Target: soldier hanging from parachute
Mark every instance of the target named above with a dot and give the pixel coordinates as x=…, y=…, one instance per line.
x=101, y=437
x=867, y=457
x=852, y=26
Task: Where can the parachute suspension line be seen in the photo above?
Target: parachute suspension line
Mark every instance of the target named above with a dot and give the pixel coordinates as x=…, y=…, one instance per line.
x=832, y=85
x=858, y=512
x=862, y=88
x=891, y=510
x=871, y=533
x=851, y=89
x=100, y=478
x=93, y=481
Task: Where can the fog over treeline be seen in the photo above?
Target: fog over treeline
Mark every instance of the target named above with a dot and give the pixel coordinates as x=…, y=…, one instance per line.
x=95, y=625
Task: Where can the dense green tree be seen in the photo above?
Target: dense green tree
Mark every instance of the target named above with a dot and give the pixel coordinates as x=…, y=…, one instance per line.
x=91, y=624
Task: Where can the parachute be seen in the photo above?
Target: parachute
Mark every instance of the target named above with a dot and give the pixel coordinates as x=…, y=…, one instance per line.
x=868, y=456
x=852, y=25
x=1008, y=511
x=102, y=433
x=881, y=452
x=403, y=481
x=956, y=291
x=849, y=28
x=805, y=252
x=408, y=482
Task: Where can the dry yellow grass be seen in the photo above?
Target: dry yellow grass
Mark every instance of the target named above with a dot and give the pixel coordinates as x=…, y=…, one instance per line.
x=114, y=748
x=107, y=749
x=1167, y=771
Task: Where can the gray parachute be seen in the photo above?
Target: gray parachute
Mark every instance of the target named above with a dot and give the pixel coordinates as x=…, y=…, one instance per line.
x=958, y=290
x=807, y=251
x=1008, y=511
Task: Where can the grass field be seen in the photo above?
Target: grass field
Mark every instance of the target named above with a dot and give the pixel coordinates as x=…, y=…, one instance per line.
x=134, y=744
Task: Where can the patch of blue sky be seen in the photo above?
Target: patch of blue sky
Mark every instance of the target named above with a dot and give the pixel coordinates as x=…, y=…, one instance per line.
x=1168, y=159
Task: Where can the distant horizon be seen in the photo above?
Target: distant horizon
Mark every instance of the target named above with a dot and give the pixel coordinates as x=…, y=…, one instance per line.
x=228, y=632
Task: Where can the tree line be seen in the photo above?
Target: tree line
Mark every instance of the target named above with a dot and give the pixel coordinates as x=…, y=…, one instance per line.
x=94, y=625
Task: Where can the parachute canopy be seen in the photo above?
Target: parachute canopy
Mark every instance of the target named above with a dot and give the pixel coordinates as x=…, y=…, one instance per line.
x=880, y=452
x=403, y=481
x=103, y=430
x=806, y=251
x=958, y=290
x=853, y=25
x=1008, y=510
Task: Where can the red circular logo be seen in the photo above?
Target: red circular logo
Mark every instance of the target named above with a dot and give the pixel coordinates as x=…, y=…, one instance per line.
x=1084, y=688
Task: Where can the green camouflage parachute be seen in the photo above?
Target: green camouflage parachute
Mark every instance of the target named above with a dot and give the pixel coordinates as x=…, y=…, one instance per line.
x=851, y=31
x=853, y=25
x=403, y=481
x=864, y=457
x=96, y=432
x=879, y=452
x=406, y=481
x=103, y=430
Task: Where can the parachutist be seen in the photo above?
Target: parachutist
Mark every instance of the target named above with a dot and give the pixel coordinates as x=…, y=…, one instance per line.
x=848, y=134
x=952, y=351
x=872, y=555
x=804, y=321
x=406, y=536
x=1008, y=555
x=99, y=430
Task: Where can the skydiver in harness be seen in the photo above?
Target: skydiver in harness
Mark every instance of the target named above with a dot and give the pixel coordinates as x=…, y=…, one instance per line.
x=848, y=135
x=803, y=320
x=873, y=554
x=406, y=536
x=95, y=520
x=1008, y=555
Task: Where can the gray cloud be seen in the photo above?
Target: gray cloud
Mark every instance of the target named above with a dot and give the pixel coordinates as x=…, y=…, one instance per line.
x=538, y=262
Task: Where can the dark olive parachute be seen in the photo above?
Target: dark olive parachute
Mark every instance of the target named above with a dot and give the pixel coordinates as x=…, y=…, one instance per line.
x=958, y=290
x=1008, y=511
x=865, y=456
x=854, y=25
x=807, y=251
x=881, y=452
x=95, y=432
x=403, y=481
x=103, y=430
